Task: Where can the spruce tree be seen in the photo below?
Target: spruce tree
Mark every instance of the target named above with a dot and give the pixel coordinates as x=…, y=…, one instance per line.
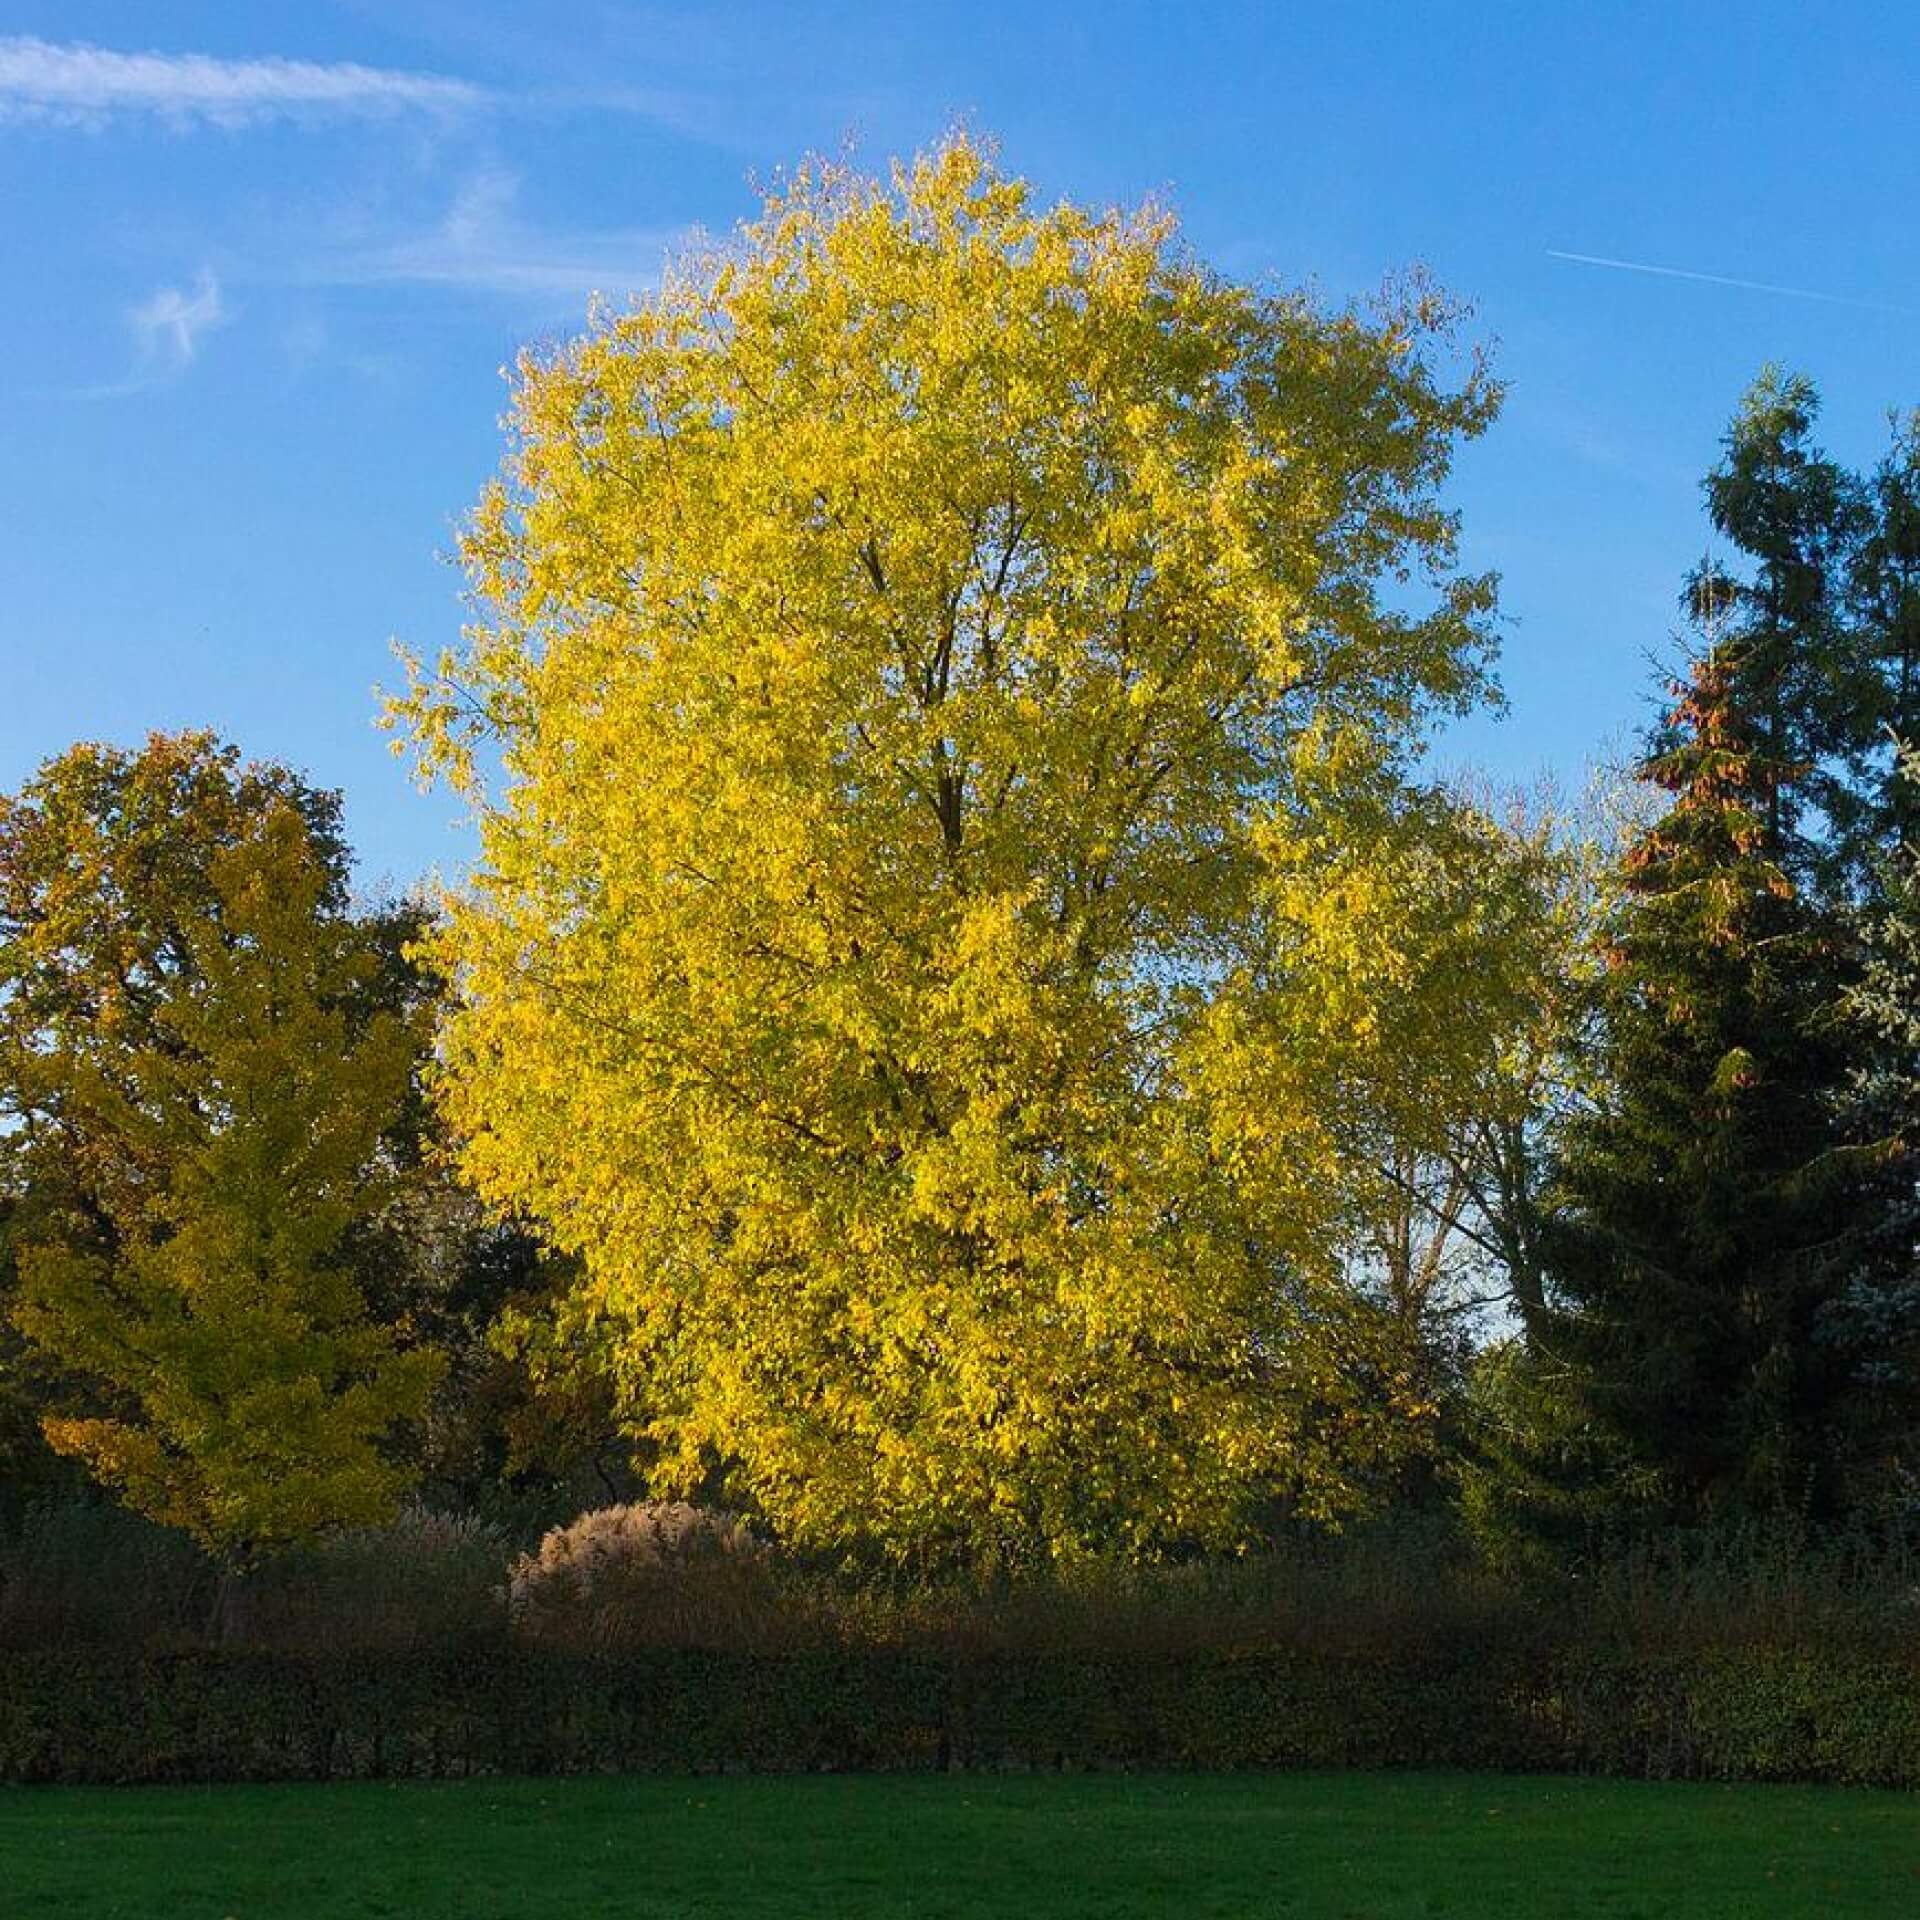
x=1875, y=1321
x=1886, y=592
x=1704, y=1213
x=1798, y=662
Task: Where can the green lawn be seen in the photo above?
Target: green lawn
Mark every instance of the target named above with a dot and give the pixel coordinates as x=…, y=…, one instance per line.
x=1325, y=1845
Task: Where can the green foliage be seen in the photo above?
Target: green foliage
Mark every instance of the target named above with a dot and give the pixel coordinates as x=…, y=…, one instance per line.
x=1732, y=1241
x=1875, y=1322
x=1708, y=1210
x=1798, y=667
x=208, y=1087
x=1536, y=1479
x=1886, y=589
x=1748, y=1714
x=1823, y=634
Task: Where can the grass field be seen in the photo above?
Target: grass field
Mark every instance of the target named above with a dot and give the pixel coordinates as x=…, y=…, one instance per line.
x=1331, y=1846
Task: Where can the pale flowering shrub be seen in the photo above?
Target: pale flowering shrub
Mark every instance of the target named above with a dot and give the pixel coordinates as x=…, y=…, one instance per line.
x=655, y=1573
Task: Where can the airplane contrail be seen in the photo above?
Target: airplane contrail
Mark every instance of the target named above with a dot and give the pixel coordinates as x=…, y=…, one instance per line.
x=1729, y=280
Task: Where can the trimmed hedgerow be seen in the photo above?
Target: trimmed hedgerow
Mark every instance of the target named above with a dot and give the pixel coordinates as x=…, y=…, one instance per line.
x=493, y=1707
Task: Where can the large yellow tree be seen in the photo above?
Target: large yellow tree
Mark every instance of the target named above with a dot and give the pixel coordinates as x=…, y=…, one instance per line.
x=941, y=731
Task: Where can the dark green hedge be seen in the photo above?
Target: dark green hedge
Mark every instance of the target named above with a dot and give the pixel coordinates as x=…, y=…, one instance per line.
x=1750, y=1714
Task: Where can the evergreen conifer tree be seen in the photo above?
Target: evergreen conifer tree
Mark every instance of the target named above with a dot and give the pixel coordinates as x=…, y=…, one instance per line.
x=1797, y=661
x=1886, y=589
x=1875, y=1321
x=1706, y=1213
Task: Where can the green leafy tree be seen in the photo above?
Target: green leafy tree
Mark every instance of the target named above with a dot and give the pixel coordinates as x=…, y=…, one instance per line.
x=956, y=666
x=205, y=1087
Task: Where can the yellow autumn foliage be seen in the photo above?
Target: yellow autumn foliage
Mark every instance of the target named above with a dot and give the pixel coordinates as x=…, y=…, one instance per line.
x=200, y=1299
x=942, y=735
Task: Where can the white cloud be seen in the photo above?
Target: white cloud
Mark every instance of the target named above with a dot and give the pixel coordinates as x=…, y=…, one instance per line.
x=76, y=84
x=169, y=325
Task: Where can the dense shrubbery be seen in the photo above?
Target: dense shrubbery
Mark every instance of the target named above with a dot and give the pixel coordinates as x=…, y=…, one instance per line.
x=427, y=1580
x=1835, y=1713
x=130, y=1657
x=83, y=1574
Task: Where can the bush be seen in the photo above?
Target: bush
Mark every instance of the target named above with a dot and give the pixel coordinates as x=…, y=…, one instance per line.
x=666, y=1638
x=80, y=1573
x=501, y=1707
x=661, y=1574
x=1394, y=1588
x=83, y=1574
x=425, y=1579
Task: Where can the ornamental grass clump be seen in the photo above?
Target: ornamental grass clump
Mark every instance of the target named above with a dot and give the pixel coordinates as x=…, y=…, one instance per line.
x=652, y=1574
x=425, y=1579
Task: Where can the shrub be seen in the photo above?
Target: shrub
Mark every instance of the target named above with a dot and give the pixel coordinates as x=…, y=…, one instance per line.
x=1396, y=1585
x=666, y=1637
x=93, y=1714
x=424, y=1579
x=79, y=1573
x=653, y=1574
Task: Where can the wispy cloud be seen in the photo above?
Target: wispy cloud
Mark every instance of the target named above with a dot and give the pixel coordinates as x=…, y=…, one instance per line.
x=483, y=245
x=1730, y=280
x=168, y=326
x=80, y=85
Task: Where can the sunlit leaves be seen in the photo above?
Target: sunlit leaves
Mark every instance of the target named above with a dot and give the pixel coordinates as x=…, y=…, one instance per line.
x=205, y=1087
x=954, y=667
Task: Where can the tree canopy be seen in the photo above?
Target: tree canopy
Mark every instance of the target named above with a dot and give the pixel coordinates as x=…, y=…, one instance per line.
x=955, y=868
x=204, y=1066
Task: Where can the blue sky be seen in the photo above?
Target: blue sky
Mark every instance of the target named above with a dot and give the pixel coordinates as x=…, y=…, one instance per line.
x=260, y=286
